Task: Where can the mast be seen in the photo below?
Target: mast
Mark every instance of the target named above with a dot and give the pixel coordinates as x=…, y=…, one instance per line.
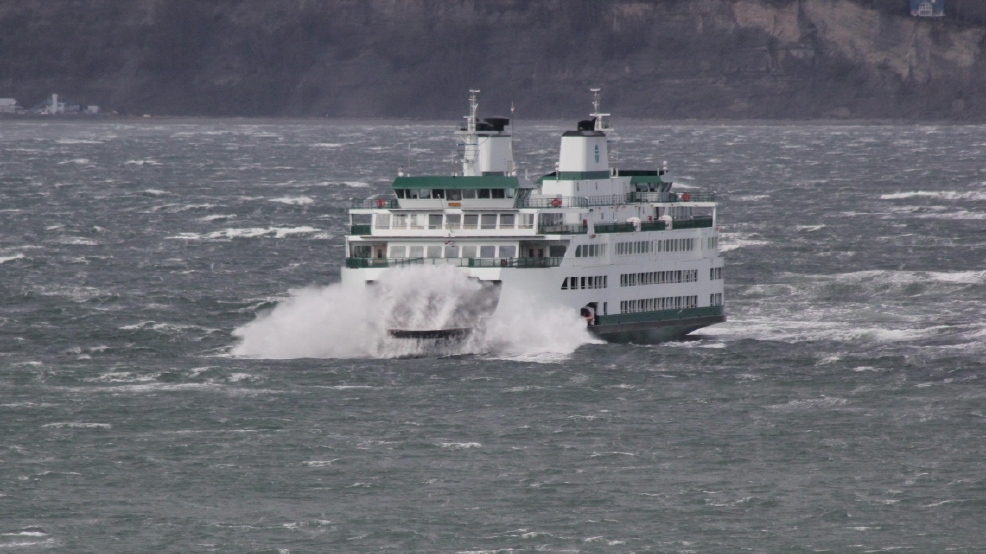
x=470, y=140
x=600, y=125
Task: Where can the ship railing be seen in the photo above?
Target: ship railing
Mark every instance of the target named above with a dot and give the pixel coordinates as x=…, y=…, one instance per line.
x=696, y=222
x=614, y=228
x=562, y=230
x=615, y=199
x=523, y=263
x=688, y=196
x=360, y=230
x=380, y=203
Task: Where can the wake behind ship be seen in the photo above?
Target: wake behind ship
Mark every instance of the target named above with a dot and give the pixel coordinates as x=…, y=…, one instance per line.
x=637, y=260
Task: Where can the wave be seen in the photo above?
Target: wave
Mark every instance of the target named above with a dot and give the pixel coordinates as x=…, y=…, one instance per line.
x=340, y=322
x=294, y=200
x=943, y=194
x=249, y=233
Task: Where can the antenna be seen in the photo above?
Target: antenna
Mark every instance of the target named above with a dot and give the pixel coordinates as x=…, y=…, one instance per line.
x=600, y=126
x=408, y=166
x=473, y=106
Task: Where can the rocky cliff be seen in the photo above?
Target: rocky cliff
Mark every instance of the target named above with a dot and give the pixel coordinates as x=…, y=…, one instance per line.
x=416, y=58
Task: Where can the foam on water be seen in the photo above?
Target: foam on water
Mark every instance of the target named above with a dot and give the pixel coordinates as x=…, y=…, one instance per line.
x=294, y=200
x=338, y=322
x=253, y=232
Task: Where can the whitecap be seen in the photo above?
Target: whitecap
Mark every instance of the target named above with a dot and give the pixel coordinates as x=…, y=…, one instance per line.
x=460, y=445
x=142, y=162
x=248, y=233
x=78, y=161
x=6, y=259
x=293, y=200
x=78, y=425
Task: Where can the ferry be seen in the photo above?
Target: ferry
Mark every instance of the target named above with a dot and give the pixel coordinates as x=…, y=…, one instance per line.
x=637, y=259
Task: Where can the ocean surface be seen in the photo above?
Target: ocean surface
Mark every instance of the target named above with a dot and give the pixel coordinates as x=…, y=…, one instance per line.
x=178, y=371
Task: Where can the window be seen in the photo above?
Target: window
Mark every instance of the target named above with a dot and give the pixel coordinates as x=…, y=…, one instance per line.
x=468, y=251
x=398, y=251
x=416, y=252
x=416, y=221
x=438, y=193
x=526, y=221
x=381, y=221
x=453, y=220
x=499, y=193
x=400, y=221
x=424, y=193
x=511, y=193
x=488, y=221
x=506, y=221
x=399, y=193
x=412, y=194
x=361, y=251
x=487, y=251
x=593, y=282
x=508, y=251
x=434, y=221
x=483, y=193
x=451, y=251
x=556, y=251
x=468, y=194
x=434, y=251
x=453, y=194
x=471, y=221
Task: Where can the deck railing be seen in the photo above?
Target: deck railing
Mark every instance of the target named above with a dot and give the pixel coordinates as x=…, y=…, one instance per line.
x=697, y=222
x=614, y=228
x=523, y=263
x=562, y=230
x=360, y=230
x=382, y=203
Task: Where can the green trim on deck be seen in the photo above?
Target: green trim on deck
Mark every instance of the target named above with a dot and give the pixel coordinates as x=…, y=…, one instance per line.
x=574, y=176
x=438, y=182
x=662, y=315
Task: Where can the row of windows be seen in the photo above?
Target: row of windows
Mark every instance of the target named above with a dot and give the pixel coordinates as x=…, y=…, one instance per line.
x=590, y=250
x=715, y=273
x=648, y=246
x=657, y=304
x=659, y=277
x=454, y=194
x=439, y=251
x=712, y=243
x=575, y=283
x=453, y=221
x=715, y=299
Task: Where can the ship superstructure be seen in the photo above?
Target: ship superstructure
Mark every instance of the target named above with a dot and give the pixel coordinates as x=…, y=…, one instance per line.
x=637, y=260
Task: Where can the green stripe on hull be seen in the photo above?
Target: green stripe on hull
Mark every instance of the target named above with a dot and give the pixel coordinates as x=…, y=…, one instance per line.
x=662, y=315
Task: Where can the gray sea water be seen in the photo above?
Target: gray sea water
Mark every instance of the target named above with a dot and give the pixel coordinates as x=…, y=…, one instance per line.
x=841, y=409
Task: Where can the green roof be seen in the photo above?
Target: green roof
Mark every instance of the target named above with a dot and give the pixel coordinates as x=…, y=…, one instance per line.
x=436, y=182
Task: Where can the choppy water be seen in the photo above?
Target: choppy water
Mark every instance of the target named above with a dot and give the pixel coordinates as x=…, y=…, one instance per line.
x=841, y=408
